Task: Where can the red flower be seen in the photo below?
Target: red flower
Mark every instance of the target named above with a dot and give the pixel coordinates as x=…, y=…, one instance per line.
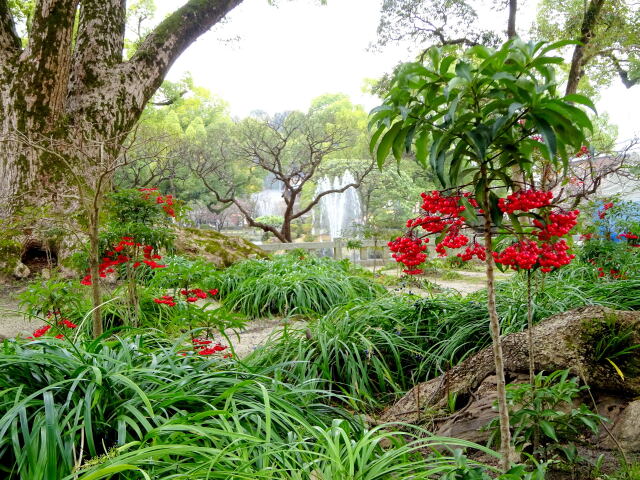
x=165, y=300
x=211, y=350
x=68, y=324
x=60, y=335
x=41, y=331
x=213, y=292
x=153, y=264
x=86, y=280
x=192, y=299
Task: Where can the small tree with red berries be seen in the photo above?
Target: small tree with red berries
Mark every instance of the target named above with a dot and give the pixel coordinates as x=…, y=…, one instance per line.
x=474, y=120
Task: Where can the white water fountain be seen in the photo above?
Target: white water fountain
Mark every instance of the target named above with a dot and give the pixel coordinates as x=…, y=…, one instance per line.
x=337, y=212
x=269, y=201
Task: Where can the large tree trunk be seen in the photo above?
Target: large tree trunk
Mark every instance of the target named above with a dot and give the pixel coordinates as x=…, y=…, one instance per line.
x=564, y=341
x=67, y=97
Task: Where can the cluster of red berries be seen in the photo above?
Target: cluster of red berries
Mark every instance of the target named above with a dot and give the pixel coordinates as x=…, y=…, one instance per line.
x=207, y=347
x=453, y=239
x=444, y=205
x=605, y=207
x=526, y=254
x=475, y=250
x=521, y=255
x=558, y=225
x=409, y=251
x=445, y=215
x=166, y=201
x=114, y=258
x=525, y=200
x=554, y=255
x=615, y=274
x=165, y=300
x=629, y=236
x=196, y=294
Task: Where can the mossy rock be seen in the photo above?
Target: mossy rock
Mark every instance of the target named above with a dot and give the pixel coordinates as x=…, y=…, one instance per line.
x=214, y=247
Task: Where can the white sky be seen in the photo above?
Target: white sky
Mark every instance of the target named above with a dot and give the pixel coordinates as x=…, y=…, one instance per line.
x=287, y=55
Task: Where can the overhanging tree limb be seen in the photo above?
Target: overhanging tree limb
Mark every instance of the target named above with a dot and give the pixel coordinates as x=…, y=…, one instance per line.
x=168, y=40
x=622, y=73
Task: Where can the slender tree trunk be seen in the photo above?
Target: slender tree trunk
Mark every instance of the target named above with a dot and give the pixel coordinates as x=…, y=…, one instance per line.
x=494, y=325
x=532, y=365
x=589, y=21
x=511, y=23
x=286, y=231
x=94, y=261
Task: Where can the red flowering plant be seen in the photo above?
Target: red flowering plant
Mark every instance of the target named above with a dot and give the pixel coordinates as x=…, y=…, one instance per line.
x=488, y=123
x=56, y=303
x=611, y=238
x=138, y=225
x=185, y=303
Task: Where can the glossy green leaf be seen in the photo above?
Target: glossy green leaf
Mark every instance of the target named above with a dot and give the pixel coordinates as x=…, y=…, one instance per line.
x=384, y=147
x=581, y=99
x=548, y=429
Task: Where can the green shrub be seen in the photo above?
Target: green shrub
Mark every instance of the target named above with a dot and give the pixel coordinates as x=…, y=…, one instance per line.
x=62, y=402
x=296, y=283
x=374, y=350
x=364, y=350
x=544, y=419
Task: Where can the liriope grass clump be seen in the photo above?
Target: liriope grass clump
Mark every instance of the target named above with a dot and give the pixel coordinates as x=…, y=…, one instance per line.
x=134, y=407
x=299, y=284
x=62, y=404
x=373, y=351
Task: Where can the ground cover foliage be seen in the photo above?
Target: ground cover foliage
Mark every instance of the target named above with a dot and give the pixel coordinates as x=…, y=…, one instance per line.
x=297, y=283
x=133, y=407
x=134, y=402
x=371, y=351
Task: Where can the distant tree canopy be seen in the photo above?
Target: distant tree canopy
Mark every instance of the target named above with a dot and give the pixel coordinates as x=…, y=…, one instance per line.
x=607, y=32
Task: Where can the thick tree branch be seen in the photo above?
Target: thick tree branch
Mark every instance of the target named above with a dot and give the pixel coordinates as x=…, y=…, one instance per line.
x=168, y=40
x=10, y=43
x=589, y=21
x=622, y=73
x=99, y=42
x=46, y=61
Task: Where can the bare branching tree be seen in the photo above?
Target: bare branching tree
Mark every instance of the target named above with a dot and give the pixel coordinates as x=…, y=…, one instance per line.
x=290, y=149
x=588, y=175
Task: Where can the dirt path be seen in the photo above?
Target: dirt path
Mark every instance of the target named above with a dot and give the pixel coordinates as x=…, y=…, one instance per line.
x=12, y=322
x=254, y=335
x=468, y=282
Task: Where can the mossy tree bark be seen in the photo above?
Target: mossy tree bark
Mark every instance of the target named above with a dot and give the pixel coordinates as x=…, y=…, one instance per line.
x=578, y=59
x=58, y=89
